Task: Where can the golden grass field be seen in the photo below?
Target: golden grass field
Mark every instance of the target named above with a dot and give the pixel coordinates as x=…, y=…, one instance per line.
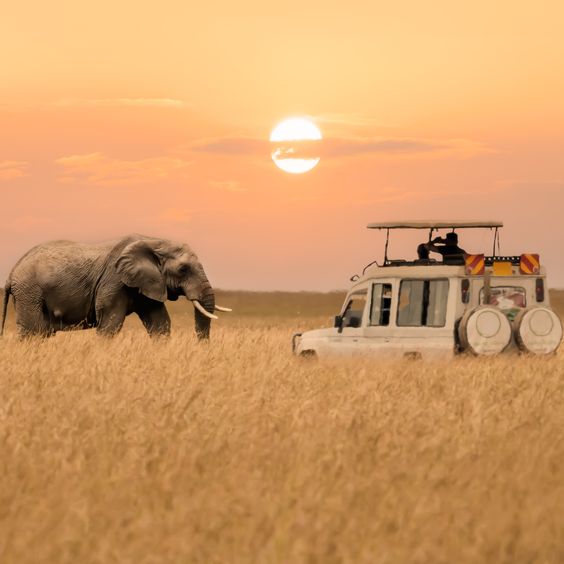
x=169, y=451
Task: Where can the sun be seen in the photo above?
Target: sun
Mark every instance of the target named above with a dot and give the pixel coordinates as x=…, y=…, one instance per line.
x=287, y=132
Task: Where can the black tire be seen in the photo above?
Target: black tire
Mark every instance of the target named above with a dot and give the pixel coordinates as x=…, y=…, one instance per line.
x=308, y=354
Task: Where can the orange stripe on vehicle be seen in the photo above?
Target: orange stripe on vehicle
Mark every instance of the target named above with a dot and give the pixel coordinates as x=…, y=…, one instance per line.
x=475, y=264
x=529, y=264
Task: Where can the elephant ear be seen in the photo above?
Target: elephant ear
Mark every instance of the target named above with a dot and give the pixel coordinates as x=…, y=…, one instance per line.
x=138, y=267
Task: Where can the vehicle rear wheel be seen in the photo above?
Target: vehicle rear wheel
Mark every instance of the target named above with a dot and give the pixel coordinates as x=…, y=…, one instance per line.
x=484, y=331
x=538, y=330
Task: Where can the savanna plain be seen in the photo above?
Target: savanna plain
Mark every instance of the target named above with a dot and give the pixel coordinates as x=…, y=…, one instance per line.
x=134, y=450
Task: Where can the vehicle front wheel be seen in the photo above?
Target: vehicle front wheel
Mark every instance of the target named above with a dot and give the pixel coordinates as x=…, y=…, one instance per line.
x=309, y=354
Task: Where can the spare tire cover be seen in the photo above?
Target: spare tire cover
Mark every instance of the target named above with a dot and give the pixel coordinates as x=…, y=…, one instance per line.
x=484, y=330
x=538, y=330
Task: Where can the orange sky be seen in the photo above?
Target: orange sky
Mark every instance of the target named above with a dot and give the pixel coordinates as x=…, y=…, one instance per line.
x=120, y=117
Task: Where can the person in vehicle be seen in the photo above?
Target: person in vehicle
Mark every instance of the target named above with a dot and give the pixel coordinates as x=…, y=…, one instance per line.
x=447, y=247
x=422, y=252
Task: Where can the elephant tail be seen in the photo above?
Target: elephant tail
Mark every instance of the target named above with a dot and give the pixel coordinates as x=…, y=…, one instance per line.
x=7, y=292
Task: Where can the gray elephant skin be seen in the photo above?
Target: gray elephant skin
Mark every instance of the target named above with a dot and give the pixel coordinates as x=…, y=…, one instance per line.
x=64, y=285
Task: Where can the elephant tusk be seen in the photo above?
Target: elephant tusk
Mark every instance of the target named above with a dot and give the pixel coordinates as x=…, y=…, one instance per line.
x=202, y=310
x=219, y=308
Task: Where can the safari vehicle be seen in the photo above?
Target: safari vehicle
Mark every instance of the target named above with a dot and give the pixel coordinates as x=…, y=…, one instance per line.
x=478, y=304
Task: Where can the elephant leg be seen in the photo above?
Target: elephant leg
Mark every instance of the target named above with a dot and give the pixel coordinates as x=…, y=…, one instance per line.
x=32, y=320
x=110, y=315
x=154, y=316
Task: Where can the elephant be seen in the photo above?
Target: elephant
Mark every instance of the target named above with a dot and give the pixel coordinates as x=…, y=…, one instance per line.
x=63, y=285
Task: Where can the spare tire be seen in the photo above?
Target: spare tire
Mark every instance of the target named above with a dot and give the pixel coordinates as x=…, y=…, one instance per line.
x=484, y=331
x=538, y=330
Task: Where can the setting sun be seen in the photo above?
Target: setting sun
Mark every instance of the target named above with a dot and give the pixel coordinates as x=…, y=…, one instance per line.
x=287, y=132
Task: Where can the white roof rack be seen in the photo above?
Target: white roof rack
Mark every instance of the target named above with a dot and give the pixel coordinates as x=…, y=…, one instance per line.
x=435, y=224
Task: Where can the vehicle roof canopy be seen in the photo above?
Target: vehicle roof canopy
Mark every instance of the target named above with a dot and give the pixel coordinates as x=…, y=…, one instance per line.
x=435, y=224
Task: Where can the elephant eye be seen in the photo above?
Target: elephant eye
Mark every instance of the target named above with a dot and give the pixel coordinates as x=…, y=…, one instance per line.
x=184, y=269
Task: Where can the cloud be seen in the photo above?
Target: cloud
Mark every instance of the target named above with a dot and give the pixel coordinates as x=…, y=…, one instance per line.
x=354, y=120
x=340, y=147
x=343, y=147
x=9, y=170
x=530, y=185
x=99, y=169
x=232, y=146
x=109, y=102
x=227, y=185
x=349, y=147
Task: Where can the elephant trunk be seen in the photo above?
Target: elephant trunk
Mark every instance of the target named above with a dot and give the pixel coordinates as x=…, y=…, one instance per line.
x=207, y=300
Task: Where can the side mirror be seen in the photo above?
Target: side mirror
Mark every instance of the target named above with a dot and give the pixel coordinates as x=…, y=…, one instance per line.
x=338, y=322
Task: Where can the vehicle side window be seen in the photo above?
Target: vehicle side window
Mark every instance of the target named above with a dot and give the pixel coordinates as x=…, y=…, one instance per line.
x=352, y=316
x=381, y=304
x=410, y=305
x=422, y=303
x=437, y=305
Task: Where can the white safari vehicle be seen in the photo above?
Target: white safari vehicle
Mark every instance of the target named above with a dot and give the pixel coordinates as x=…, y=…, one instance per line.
x=483, y=305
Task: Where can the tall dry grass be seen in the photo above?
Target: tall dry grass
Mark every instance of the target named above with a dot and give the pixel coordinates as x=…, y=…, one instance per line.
x=131, y=450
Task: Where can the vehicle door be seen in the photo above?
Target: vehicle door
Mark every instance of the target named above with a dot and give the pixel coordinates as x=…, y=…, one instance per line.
x=349, y=336
x=378, y=330
x=424, y=321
